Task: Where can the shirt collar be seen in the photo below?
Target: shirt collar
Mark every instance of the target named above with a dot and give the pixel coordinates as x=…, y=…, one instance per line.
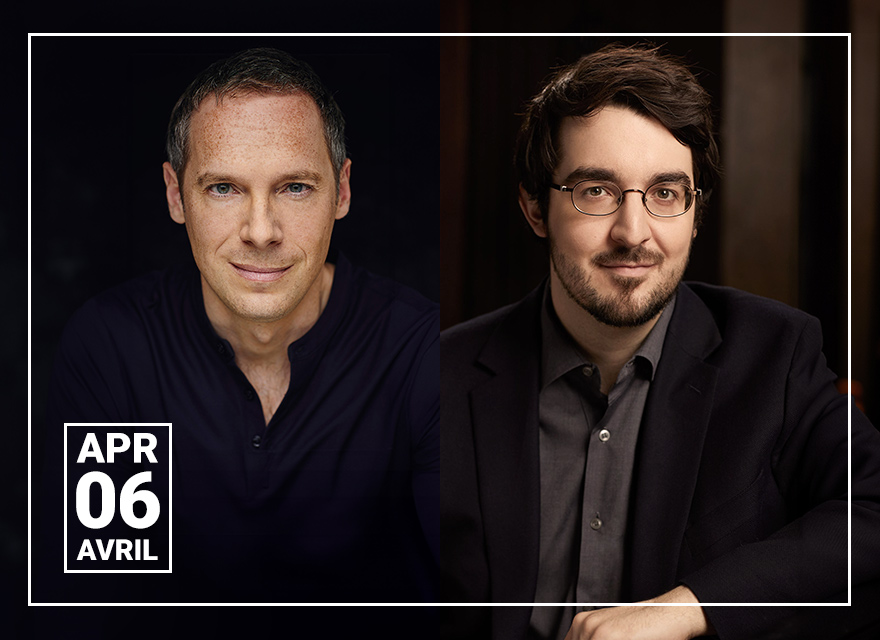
x=560, y=353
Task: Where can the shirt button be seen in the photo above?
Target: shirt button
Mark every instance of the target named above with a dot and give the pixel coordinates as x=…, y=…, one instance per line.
x=595, y=524
x=249, y=394
x=587, y=371
x=604, y=435
x=221, y=349
x=256, y=442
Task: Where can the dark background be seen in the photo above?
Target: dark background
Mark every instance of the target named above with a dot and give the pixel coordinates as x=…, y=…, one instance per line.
x=100, y=108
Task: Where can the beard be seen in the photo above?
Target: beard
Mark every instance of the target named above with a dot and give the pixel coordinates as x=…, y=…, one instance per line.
x=621, y=307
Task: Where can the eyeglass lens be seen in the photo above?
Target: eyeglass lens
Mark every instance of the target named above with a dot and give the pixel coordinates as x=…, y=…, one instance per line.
x=664, y=199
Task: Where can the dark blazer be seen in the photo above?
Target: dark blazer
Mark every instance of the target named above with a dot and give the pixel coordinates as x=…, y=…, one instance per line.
x=740, y=479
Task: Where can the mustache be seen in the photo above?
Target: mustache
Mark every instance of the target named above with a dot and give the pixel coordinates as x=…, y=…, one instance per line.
x=631, y=256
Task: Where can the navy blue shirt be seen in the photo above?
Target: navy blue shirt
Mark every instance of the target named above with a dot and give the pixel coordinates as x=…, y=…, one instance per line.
x=335, y=500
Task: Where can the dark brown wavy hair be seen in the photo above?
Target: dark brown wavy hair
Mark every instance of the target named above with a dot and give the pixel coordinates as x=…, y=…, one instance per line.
x=638, y=77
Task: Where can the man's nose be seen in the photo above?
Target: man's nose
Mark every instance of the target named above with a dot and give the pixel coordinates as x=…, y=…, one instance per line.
x=261, y=227
x=632, y=225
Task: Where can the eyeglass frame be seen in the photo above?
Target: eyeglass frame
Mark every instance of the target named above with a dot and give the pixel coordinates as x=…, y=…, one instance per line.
x=623, y=192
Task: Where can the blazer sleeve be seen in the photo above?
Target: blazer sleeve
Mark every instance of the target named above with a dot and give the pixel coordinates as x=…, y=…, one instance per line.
x=806, y=561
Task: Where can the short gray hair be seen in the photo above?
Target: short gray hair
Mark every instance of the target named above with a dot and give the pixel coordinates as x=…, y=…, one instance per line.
x=255, y=71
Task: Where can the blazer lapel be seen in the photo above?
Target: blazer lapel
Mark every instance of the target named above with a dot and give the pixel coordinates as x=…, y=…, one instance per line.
x=670, y=445
x=505, y=418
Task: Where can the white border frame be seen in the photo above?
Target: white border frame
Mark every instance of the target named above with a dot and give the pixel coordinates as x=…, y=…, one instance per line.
x=441, y=35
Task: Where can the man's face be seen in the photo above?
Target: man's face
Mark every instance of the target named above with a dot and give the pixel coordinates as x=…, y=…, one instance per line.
x=622, y=268
x=259, y=200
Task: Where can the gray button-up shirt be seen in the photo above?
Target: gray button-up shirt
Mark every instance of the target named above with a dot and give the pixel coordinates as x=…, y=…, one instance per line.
x=584, y=498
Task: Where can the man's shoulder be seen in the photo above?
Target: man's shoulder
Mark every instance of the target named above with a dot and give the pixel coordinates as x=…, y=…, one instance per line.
x=372, y=296
x=733, y=308
x=128, y=304
x=110, y=341
x=383, y=290
x=476, y=330
x=512, y=327
x=748, y=329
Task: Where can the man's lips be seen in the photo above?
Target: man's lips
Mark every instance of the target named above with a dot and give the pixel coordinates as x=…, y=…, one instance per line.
x=259, y=274
x=629, y=269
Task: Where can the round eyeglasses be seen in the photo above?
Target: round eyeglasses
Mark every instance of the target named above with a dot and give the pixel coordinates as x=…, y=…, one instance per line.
x=663, y=200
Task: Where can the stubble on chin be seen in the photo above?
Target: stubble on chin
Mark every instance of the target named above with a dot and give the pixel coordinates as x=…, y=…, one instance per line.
x=623, y=307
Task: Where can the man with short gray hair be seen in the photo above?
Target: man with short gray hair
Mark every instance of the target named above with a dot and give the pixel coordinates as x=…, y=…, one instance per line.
x=302, y=389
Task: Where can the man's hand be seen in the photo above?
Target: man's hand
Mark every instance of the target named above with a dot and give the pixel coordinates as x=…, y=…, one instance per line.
x=643, y=622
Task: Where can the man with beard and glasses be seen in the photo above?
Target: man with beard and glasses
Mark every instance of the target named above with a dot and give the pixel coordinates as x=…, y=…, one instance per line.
x=301, y=388
x=620, y=436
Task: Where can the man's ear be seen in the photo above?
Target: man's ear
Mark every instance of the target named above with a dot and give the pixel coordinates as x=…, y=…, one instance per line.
x=343, y=198
x=172, y=194
x=532, y=212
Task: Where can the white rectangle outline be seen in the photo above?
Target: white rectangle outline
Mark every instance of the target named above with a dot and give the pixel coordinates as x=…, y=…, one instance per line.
x=118, y=424
x=848, y=36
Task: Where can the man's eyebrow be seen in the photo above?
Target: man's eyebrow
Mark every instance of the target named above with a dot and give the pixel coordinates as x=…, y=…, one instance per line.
x=305, y=175
x=205, y=179
x=607, y=175
x=591, y=173
x=677, y=177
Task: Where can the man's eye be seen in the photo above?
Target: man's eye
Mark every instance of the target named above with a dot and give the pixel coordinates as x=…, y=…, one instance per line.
x=594, y=190
x=298, y=188
x=665, y=194
x=222, y=189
